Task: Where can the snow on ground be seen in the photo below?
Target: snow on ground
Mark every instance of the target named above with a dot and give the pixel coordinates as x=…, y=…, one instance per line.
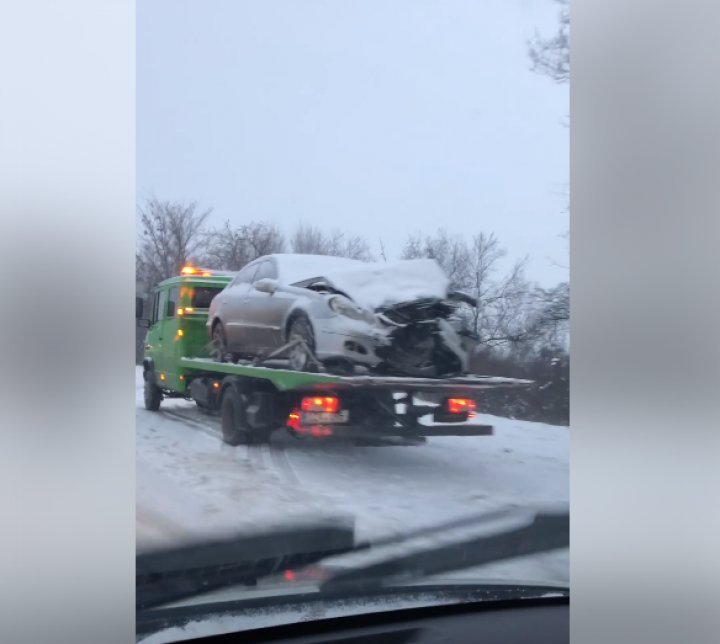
x=190, y=484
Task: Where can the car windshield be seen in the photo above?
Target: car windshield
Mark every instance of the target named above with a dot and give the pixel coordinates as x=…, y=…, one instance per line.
x=368, y=406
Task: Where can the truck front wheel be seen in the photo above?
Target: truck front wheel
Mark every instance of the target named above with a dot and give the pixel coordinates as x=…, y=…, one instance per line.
x=152, y=394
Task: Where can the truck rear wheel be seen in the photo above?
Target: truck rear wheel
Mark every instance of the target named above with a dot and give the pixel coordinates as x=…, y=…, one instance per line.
x=235, y=430
x=152, y=394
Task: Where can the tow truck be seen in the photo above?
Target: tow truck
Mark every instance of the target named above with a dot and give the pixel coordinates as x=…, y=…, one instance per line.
x=255, y=398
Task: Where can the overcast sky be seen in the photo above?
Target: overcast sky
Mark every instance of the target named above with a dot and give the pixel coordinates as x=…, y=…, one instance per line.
x=381, y=117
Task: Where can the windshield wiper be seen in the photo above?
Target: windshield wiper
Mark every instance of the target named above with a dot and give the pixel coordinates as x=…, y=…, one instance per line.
x=183, y=572
x=533, y=534
x=169, y=575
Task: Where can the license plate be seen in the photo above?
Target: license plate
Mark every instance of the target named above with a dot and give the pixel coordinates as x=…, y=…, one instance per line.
x=324, y=418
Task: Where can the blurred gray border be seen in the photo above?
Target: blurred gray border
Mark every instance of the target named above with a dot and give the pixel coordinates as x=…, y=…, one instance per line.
x=646, y=355
x=67, y=207
x=645, y=325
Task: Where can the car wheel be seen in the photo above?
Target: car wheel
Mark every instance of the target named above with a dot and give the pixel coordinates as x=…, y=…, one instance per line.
x=298, y=358
x=152, y=394
x=339, y=366
x=219, y=342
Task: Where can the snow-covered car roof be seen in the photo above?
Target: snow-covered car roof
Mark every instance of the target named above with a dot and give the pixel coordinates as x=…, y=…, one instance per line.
x=294, y=268
x=372, y=284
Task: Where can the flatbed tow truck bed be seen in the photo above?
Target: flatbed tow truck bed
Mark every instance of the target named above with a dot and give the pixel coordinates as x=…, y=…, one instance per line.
x=361, y=408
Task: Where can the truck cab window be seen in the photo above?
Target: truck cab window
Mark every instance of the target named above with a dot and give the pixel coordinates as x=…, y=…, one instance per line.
x=172, y=302
x=155, y=302
x=162, y=302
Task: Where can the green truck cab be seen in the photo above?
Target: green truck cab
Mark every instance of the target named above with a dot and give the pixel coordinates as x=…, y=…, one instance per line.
x=175, y=316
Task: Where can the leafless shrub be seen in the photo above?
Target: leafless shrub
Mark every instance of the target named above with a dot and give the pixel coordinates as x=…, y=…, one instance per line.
x=312, y=240
x=229, y=248
x=551, y=56
x=171, y=235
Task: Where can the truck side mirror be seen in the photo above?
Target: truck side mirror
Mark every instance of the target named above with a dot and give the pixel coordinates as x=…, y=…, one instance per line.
x=266, y=285
x=139, y=305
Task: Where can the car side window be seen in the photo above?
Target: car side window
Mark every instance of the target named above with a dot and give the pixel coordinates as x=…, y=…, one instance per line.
x=266, y=270
x=172, y=302
x=246, y=275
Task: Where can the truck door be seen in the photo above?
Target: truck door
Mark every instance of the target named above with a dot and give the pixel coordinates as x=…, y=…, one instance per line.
x=171, y=343
x=154, y=339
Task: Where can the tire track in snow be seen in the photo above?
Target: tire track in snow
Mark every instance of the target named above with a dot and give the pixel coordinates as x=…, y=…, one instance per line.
x=282, y=462
x=259, y=457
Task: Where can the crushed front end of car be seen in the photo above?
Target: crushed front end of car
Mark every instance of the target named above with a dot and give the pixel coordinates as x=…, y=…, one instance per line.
x=425, y=338
x=421, y=338
x=395, y=319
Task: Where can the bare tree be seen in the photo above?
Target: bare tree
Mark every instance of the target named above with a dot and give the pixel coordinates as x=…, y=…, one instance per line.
x=501, y=315
x=451, y=252
x=171, y=236
x=552, y=314
x=311, y=240
x=230, y=248
x=551, y=56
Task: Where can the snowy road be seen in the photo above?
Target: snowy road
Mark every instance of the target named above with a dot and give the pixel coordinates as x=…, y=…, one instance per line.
x=190, y=483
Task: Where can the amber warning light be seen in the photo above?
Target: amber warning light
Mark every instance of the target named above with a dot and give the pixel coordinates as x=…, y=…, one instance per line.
x=191, y=270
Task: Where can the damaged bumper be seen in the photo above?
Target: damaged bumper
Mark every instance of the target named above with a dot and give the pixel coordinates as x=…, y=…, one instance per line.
x=415, y=347
x=352, y=340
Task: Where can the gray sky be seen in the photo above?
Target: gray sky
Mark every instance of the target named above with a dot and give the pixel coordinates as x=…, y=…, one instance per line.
x=380, y=117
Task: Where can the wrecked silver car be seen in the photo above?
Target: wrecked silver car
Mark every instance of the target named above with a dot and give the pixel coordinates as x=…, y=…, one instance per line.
x=339, y=314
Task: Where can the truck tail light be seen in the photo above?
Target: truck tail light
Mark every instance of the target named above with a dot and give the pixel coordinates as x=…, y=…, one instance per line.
x=293, y=419
x=328, y=404
x=461, y=405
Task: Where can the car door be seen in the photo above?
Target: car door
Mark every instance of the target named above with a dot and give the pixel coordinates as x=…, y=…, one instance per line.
x=233, y=310
x=266, y=312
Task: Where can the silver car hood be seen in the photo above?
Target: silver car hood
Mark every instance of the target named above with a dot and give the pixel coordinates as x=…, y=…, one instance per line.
x=375, y=285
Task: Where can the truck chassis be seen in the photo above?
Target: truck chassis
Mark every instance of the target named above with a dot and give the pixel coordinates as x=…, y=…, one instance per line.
x=253, y=400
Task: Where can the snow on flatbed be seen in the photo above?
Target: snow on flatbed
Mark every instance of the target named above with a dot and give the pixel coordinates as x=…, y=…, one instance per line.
x=190, y=484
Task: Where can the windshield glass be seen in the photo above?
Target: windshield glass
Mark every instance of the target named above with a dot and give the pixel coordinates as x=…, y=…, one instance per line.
x=201, y=296
x=385, y=421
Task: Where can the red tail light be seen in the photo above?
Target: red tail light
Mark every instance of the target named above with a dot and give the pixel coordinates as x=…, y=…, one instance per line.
x=328, y=404
x=460, y=405
x=293, y=419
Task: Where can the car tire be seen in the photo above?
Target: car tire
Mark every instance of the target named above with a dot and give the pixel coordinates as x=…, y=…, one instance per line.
x=235, y=430
x=299, y=359
x=151, y=393
x=219, y=342
x=339, y=366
